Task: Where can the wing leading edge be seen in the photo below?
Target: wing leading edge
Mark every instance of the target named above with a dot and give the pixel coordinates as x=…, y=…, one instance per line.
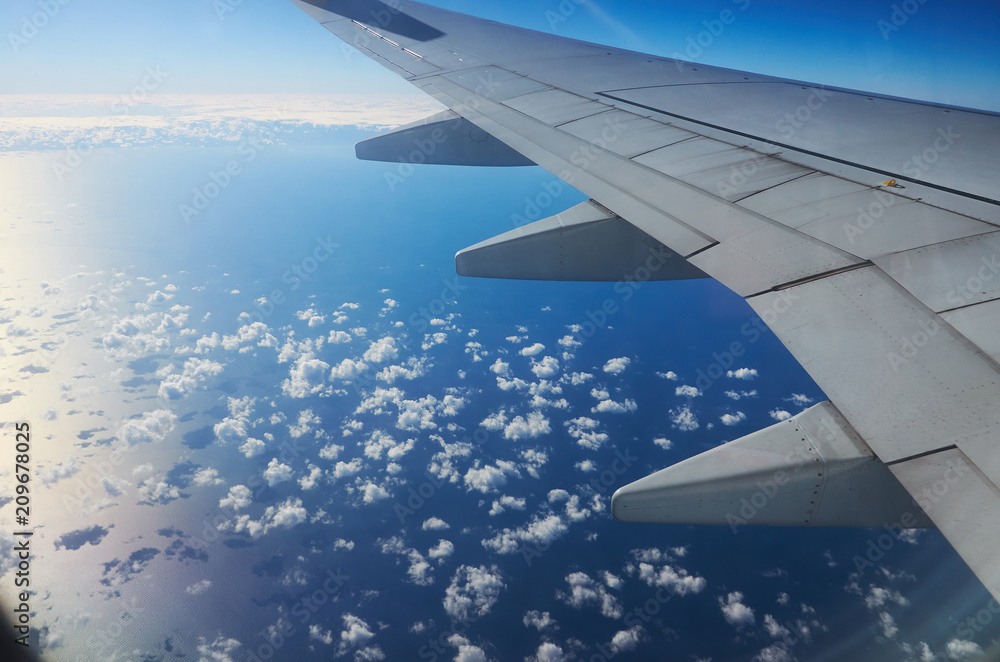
x=872, y=257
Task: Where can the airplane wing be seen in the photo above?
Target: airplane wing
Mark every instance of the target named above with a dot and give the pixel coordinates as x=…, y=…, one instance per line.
x=862, y=229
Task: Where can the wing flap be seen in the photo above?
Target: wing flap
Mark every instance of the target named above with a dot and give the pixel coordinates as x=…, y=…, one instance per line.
x=963, y=503
x=979, y=324
x=626, y=134
x=555, y=107
x=905, y=379
x=495, y=83
x=949, y=275
x=732, y=173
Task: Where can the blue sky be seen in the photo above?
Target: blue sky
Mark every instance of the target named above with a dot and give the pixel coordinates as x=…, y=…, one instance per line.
x=942, y=51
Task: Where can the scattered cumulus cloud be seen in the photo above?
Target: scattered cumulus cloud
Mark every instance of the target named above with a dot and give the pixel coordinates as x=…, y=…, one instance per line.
x=733, y=419
x=533, y=350
x=742, y=373
x=617, y=366
x=735, y=612
x=684, y=419
x=473, y=592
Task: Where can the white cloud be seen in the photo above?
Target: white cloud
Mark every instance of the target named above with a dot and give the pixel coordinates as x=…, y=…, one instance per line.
x=245, y=337
x=158, y=297
x=532, y=350
x=114, y=486
x=780, y=415
x=234, y=427
x=239, y=497
x=612, y=407
x=220, y=650
x=569, y=342
x=495, y=422
x=52, y=474
x=320, y=635
x=338, y=337
x=511, y=384
x=549, y=652
x=466, y=651
x=277, y=472
x=205, y=120
x=584, y=590
x=411, y=370
x=774, y=653
x=665, y=444
x=617, y=366
x=539, y=533
x=252, y=447
x=626, y=640
x=734, y=611
x=372, y=492
x=442, y=550
x=684, y=419
x=287, y=514
x=583, y=429
x=435, y=524
x=194, y=373
x=382, y=350
x=345, y=469
x=356, y=633
x=486, y=479
x=673, y=578
x=198, y=587
x=507, y=502
x=742, y=373
x=207, y=476
x=687, y=391
x=578, y=378
x=540, y=620
x=733, y=419
x=473, y=592
x=306, y=377
x=800, y=399
x=348, y=369
x=774, y=628
x=331, y=451
x=888, y=625
x=500, y=368
x=304, y=424
x=310, y=480
x=962, y=650
x=877, y=597
x=535, y=425
x=151, y=427
x=420, y=572
x=546, y=368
